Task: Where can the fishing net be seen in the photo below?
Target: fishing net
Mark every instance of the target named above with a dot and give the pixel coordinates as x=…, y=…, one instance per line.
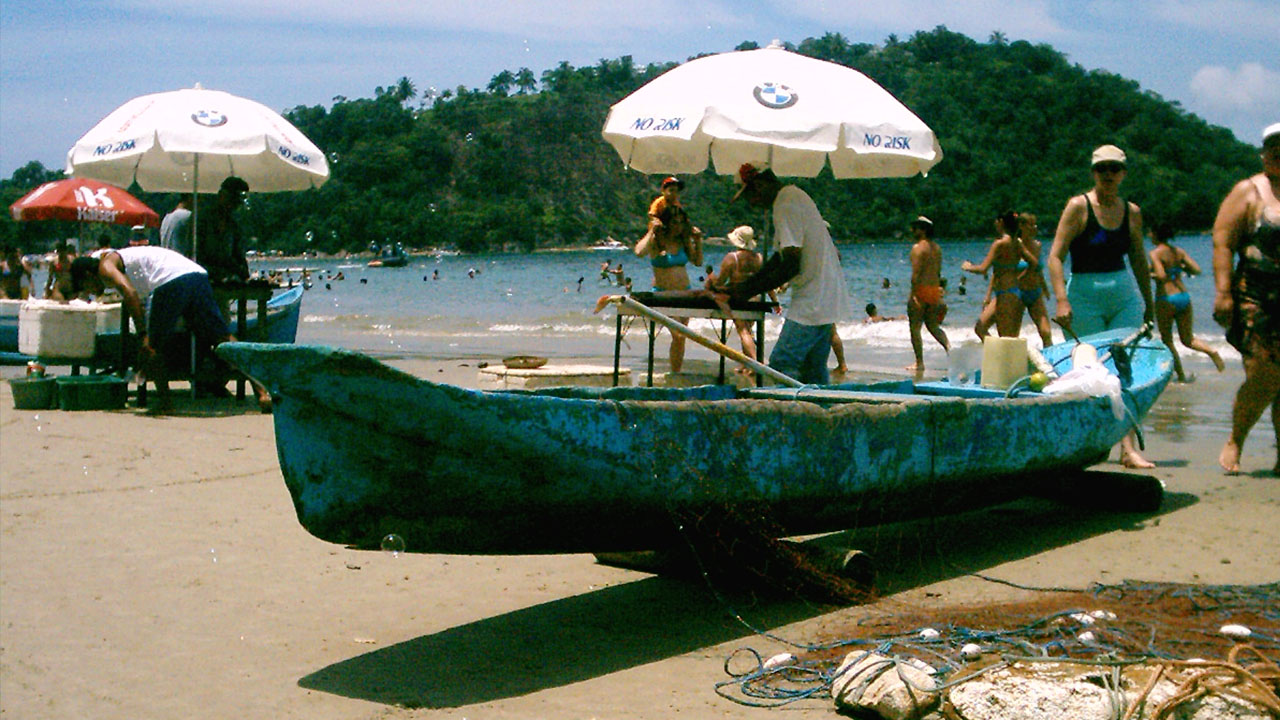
x=1207, y=639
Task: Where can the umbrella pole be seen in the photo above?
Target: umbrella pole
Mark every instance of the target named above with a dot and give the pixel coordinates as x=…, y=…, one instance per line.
x=195, y=210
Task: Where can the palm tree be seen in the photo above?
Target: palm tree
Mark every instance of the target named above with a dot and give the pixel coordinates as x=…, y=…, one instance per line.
x=405, y=89
x=526, y=81
x=501, y=83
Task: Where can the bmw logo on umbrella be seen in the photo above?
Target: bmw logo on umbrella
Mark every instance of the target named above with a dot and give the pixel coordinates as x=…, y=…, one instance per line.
x=209, y=118
x=772, y=95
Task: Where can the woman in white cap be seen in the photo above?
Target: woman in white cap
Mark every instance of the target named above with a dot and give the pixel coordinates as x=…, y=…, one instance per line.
x=1247, y=302
x=738, y=265
x=1099, y=229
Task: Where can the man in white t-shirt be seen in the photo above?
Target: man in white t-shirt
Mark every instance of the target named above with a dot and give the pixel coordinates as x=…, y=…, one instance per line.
x=158, y=286
x=806, y=258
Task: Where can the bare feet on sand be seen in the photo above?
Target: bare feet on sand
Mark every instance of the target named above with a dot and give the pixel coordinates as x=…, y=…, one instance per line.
x=1229, y=458
x=840, y=370
x=1133, y=460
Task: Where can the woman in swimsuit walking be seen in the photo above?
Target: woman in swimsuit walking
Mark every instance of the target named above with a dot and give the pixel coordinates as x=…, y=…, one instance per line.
x=1173, y=303
x=1032, y=289
x=1006, y=258
x=1247, y=300
x=1099, y=230
x=671, y=243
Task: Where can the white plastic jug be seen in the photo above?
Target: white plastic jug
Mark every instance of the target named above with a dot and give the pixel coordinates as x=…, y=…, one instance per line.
x=963, y=363
x=1004, y=360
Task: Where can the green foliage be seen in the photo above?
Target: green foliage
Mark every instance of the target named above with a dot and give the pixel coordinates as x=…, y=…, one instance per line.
x=521, y=164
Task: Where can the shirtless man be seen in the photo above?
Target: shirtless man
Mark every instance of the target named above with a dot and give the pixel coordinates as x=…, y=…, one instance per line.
x=925, y=304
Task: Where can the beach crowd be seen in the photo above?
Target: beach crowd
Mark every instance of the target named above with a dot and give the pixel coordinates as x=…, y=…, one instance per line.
x=1115, y=281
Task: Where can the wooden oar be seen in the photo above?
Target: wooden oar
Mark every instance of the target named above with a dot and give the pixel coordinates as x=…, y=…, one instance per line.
x=720, y=348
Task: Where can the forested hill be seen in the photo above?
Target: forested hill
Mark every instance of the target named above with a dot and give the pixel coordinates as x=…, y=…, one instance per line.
x=521, y=164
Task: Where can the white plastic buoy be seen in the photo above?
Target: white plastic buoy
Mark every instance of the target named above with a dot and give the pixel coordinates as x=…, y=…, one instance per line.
x=1103, y=615
x=1082, y=618
x=779, y=660
x=1087, y=637
x=1235, y=631
x=971, y=651
x=929, y=634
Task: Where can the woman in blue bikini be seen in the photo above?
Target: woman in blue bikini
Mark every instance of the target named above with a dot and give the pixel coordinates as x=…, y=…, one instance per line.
x=1173, y=303
x=1008, y=259
x=671, y=243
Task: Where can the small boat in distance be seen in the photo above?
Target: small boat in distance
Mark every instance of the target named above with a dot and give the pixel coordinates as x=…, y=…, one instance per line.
x=390, y=256
x=609, y=244
x=367, y=450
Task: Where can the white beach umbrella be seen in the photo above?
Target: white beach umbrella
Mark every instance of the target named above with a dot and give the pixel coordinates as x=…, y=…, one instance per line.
x=774, y=106
x=191, y=140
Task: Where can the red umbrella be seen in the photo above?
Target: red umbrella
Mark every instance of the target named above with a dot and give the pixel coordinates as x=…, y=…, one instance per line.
x=83, y=200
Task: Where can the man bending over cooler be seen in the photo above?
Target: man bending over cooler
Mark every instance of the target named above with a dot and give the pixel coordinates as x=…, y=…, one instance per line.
x=171, y=287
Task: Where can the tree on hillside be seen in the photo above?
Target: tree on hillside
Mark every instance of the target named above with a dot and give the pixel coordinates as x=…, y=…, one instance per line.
x=525, y=81
x=405, y=90
x=501, y=83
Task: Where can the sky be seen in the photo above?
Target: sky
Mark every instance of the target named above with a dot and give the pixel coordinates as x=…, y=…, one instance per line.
x=65, y=64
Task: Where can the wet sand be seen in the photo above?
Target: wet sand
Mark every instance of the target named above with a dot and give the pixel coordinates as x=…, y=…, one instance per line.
x=152, y=567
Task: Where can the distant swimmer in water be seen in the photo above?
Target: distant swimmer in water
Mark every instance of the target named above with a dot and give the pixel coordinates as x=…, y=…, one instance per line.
x=874, y=316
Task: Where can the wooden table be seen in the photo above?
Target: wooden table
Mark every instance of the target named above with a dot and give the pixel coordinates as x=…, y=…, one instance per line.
x=225, y=294
x=239, y=293
x=691, y=308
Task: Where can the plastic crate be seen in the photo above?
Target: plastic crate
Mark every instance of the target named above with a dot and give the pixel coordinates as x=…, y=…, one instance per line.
x=38, y=393
x=92, y=392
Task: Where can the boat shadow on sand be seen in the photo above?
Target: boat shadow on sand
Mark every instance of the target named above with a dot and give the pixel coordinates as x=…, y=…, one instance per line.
x=625, y=626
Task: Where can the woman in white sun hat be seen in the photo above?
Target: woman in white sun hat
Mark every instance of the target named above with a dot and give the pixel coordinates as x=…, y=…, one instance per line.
x=738, y=265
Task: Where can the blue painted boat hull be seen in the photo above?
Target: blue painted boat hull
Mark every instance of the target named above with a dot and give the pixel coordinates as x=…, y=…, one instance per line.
x=367, y=450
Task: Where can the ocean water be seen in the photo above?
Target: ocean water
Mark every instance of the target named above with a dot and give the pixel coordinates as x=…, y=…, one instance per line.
x=531, y=303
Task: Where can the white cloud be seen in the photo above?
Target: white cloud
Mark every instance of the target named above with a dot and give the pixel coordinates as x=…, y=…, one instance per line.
x=1249, y=87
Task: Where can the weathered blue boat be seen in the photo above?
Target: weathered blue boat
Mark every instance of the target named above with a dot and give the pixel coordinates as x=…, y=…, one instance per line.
x=367, y=450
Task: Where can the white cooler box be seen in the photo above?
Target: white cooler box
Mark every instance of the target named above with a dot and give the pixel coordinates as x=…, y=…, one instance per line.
x=9, y=308
x=51, y=329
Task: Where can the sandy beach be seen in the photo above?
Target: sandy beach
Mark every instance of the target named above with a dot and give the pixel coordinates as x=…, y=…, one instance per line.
x=152, y=567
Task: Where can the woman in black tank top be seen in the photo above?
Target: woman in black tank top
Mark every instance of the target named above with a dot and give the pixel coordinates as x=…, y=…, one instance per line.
x=1100, y=229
